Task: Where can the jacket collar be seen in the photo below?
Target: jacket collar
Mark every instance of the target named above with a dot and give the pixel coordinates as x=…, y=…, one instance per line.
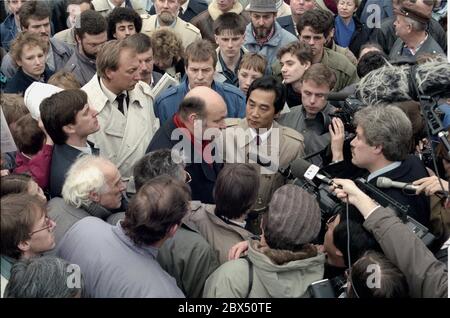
x=273, y=41
x=215, y=12
x=143, y=250
x=99, y=99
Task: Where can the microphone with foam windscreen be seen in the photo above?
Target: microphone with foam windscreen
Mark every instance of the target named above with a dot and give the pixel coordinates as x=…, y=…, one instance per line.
x=383, y=182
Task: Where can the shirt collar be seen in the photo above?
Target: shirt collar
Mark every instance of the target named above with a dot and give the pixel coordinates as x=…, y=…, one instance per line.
x=144, y=250
x=267, y=38
x=110, y=95
x=184, y=7
x=383, y=170
x=264, y=136
x=113, y=6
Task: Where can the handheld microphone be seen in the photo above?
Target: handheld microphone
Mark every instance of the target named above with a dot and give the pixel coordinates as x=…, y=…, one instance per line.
x=383, y=182
x=301, y=168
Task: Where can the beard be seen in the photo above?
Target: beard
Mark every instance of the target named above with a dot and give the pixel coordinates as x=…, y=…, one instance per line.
x=262, y=32
x=88, y=55
x=166, y=18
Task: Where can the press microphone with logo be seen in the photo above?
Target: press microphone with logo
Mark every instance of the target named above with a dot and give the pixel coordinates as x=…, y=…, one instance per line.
x=301, y=168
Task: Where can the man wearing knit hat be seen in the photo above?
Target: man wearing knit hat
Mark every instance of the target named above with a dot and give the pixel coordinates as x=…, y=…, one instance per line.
x=264, y=35
x=283, y=263
x=411, y=29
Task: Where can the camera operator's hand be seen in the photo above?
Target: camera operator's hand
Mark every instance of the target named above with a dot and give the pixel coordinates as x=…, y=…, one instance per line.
x=351, y=193
x=337, y=133
x=430, y=185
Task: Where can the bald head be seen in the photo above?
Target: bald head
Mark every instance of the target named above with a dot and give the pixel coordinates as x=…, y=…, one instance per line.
x=203, y=103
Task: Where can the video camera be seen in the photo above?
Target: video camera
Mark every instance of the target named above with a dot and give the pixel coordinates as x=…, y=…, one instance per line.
x=346, y=112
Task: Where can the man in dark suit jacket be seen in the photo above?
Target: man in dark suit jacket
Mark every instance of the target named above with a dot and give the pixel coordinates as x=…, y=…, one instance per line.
x=194, y=8
x=203, y=109
x=69, y=120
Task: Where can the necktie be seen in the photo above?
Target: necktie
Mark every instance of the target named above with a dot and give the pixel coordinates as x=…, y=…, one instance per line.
x=258, y=140
x=119, y=100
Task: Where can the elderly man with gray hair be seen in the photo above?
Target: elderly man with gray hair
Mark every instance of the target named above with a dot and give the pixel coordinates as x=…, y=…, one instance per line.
x=93, y=187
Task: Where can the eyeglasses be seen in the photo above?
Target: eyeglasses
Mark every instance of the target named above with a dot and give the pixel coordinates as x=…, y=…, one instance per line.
x=331, y=219
x=48, y=224
x=188, y=177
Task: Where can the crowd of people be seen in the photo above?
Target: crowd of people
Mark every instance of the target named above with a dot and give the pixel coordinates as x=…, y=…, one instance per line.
x=152, y=149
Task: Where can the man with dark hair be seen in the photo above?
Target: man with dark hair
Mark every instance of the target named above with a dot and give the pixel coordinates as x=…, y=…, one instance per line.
x=131, y=247
x=312, y=117
x=143, y=46
x=264, y=35
x=90, y=35
x=35, y=18
x=229, y=30
x=223, y=224
x=369, y=62
x=283, y=263
x=201, y=111
x=123, y=22
x=200, y=63
x=69, y=120
x=295, y=58
x=262, y=141
x=314, y=29
x=187, y=256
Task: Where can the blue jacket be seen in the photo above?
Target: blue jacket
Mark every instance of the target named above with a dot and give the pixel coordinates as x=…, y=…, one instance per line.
x=287, y=24
x=19, y=83
x=166, y=104
x=8, y=31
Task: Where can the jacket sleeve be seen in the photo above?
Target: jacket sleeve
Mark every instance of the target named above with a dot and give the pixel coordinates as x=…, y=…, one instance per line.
x=426, y=276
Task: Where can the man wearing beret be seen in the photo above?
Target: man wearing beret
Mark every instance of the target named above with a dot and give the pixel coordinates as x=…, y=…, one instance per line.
x=411, y=28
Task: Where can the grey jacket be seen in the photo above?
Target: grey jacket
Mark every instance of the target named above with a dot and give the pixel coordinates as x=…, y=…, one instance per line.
x=66, y=215
x=113, y=265
x=315, y=130
x=187, y=257
x=61, y=54
x=82, y=67
x=280, y=38
x=288, y=280
x=426, y=276
x=429, y=46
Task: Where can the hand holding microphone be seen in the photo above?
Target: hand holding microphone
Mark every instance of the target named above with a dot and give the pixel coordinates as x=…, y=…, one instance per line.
x=430, y=185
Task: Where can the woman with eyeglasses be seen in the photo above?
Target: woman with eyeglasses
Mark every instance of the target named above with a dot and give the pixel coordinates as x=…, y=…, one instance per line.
x=26, y=230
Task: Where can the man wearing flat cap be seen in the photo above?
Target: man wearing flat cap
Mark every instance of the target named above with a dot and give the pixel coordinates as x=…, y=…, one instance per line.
x=264, y=35
x=411, y=29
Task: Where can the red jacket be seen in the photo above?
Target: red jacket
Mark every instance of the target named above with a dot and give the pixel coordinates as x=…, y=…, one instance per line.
x=38, y=166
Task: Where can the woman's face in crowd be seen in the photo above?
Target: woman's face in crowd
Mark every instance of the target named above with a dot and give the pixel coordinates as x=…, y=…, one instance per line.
x=32, y=61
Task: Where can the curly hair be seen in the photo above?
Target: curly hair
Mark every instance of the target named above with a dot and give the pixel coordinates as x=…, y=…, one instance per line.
x=166, y=44
x=29, y=39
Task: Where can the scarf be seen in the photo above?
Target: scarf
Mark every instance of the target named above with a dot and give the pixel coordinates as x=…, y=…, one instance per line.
x=344, y=32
